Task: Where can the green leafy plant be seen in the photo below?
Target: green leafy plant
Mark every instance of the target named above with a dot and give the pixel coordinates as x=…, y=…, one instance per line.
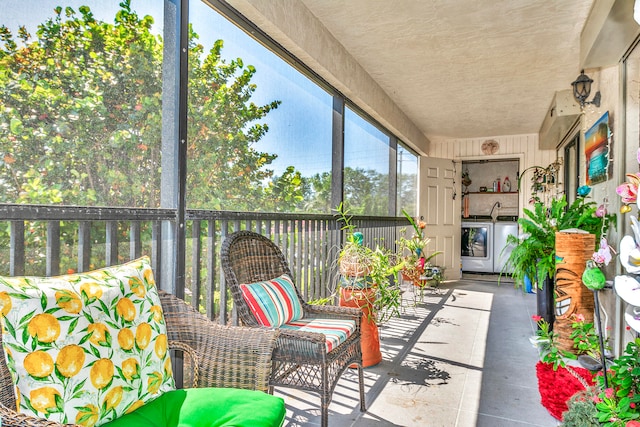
x=363, y=267
x=547, y=343
x=414, y=261
x=582, y=410
x=584, y=336
x=533, y=254
x=620, y=402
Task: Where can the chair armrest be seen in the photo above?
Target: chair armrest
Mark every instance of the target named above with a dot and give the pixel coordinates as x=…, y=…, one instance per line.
x=11, y=418
x=334, y=312
x=227, y=356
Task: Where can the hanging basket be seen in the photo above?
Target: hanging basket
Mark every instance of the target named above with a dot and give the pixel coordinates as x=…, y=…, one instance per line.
x=352, y=266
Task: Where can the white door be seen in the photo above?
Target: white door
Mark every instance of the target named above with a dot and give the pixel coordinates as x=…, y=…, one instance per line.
x=439, y=198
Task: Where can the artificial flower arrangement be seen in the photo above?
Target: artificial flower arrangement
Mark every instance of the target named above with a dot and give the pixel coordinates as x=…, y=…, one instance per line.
x=615, y=399
x=416, y=264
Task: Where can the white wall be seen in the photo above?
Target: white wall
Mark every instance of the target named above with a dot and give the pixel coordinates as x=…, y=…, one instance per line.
x=522, y=147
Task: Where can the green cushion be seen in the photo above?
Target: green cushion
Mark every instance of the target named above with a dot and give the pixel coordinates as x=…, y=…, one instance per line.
x=207, y=407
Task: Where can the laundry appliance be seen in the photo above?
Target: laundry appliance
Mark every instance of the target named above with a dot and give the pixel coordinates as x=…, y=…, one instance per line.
x=477, y=244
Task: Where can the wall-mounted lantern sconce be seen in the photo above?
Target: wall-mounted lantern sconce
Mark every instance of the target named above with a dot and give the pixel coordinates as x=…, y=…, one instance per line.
x=582, y=90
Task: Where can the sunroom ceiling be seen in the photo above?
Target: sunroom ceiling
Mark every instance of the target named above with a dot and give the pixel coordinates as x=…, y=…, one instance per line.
x=463, y=68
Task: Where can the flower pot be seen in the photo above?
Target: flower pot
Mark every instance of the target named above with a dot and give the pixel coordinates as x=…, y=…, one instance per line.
x=544, y=301
x=369, y=339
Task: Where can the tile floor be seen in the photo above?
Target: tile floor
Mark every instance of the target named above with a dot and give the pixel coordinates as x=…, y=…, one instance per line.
x=458, y=357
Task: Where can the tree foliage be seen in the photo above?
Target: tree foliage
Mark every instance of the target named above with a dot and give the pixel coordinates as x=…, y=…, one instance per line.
x=80, y=111
x=81, y=119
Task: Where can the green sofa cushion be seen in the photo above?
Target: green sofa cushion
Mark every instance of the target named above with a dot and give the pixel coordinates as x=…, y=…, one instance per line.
x=207, y=407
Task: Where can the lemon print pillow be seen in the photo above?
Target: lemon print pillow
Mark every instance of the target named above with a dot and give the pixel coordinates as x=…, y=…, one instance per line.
x=85, y=348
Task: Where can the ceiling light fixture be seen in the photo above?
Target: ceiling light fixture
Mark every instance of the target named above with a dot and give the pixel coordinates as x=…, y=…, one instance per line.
x=582, y=90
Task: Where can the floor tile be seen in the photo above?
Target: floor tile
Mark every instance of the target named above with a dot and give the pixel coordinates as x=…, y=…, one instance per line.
x=459, y=356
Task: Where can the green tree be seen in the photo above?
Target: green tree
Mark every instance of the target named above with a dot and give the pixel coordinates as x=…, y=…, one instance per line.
x=366, y=192
x=225, y=171
x=81, y=122
x=286, y=190
x=317, y=190
x=73, y=102
x=407, y=196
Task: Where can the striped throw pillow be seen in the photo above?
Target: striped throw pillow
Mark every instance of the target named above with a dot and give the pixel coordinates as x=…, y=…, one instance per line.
x=273, y=302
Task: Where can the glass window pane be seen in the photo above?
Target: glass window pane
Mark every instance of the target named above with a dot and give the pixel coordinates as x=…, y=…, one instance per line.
x=80, y=103
x=259, y=130
x=407, y=175
x=366, y=167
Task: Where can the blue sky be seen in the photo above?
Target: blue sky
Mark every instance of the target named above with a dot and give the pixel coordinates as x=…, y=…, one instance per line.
x=300, y=129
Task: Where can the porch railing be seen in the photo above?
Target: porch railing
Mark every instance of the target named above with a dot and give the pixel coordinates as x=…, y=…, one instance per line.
x=52, y=240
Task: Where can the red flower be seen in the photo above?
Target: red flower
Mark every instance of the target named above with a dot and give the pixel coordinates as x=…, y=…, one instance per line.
x=633, y=406
x=632, y=423
x=536, y=318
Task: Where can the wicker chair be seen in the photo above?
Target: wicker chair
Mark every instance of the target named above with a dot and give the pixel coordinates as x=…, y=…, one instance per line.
x=300, y=359
x=215, y=356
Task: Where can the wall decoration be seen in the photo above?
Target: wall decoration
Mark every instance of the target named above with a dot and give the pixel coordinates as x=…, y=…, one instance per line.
x=597, y=146
x=490, y=146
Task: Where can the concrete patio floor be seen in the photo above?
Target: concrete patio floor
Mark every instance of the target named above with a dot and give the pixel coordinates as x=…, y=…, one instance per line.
x=459, y=357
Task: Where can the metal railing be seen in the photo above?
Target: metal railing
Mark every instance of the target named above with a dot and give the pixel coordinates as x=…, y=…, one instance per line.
x=52, y=240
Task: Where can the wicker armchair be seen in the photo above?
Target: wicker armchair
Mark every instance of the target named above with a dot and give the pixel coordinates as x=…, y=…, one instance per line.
x=215, y=356
x=300, y=358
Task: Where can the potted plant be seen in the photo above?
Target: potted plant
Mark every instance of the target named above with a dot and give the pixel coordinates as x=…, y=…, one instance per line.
x=366, y=282
x=415, y=264
x=534, y=253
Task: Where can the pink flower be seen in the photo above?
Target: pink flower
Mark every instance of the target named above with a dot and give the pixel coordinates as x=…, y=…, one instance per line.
x=603, y=255
x=633, y=406
x=632, y=423
x=536, y=318
x=628, y=191
x=601, y=211
x=579, y=317
x=609, y=393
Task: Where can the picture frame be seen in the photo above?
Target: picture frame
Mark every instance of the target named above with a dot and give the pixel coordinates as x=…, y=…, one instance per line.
x=597, y=146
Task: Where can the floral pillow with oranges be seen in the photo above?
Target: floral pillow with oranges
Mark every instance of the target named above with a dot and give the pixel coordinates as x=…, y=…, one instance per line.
x=85, y=348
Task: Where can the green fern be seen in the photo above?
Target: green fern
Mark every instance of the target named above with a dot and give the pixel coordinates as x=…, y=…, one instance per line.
x=534, y=255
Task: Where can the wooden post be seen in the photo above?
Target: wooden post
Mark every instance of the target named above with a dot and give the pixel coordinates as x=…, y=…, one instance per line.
x=573, y=250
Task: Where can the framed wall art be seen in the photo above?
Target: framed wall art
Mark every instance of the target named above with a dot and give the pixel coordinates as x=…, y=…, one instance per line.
x=597, y=146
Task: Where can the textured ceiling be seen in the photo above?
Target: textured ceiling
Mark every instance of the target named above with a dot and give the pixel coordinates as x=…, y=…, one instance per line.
x=463, y=68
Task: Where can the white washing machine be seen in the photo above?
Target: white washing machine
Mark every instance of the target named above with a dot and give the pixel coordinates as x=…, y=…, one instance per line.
x=477, y=245
x=501, y=251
